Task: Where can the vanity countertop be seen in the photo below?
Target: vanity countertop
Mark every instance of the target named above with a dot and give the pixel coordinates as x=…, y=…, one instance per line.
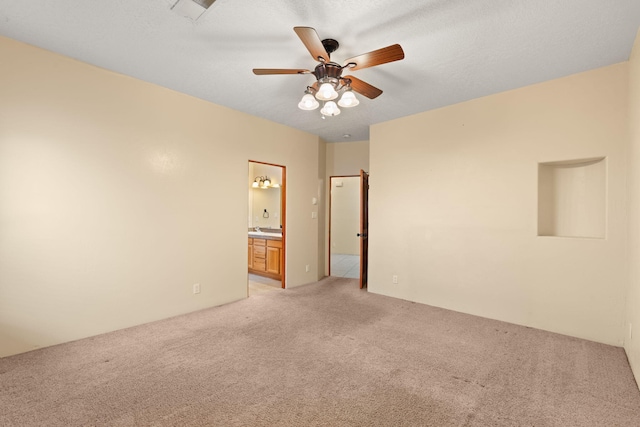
x=265, y=234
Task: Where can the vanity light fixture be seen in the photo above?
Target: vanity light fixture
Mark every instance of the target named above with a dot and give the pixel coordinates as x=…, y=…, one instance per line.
x=263, y=182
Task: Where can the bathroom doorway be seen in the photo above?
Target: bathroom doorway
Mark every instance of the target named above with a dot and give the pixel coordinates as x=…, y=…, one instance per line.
x=266, y=227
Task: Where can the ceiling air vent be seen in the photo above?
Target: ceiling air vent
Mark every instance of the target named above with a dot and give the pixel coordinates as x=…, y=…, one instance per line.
x=192, y=9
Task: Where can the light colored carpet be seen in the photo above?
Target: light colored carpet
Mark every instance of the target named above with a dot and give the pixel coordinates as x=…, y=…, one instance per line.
x=325, y=354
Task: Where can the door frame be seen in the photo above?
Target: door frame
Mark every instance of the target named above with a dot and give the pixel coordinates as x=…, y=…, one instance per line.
x=329, y=231
x=364, y=229
x=283, y=216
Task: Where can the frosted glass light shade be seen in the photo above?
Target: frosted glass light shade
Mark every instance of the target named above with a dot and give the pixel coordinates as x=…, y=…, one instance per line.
x=330, y=109
x=326, y=92
x=348, y=100
x=308, y=103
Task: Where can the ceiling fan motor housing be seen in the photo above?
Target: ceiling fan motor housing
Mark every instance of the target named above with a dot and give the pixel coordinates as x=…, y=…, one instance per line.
x=329, y=71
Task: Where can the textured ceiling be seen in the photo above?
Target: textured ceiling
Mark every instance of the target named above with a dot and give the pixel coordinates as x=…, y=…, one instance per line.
x=455, y=50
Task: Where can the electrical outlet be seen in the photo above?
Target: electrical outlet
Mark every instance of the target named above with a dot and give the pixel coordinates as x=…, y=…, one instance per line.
x=314, y=215
x=196, y=288
x=306, y=268
x=395, y=279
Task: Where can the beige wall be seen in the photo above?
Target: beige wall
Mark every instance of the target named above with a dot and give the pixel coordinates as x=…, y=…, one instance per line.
x=632, y=324
x=116, y=196
x=453, y=206
x=342, y=159
x=347, y=158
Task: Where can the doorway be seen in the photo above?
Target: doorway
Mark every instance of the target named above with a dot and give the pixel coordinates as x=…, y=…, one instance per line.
x=348, y=226
x=344, y=220
x=266, y=226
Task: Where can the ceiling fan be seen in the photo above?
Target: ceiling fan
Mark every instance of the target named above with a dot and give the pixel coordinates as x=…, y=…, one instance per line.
x=330, y=80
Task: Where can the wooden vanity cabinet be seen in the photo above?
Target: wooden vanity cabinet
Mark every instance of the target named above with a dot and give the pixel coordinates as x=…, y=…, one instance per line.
x=274, y=248
x=260, y=254
x=265, y=257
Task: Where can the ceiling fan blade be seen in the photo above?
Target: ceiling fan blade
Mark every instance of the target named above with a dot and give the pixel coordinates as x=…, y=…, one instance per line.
x=266, y=71
x=377, y=57
x=312, y=42
x=363, y=88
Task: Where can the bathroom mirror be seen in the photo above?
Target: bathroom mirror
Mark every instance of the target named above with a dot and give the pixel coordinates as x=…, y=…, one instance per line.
x=265, y=201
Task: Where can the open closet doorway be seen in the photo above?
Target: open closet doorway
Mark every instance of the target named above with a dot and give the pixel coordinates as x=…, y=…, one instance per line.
x=266, y=224
x=348, y=223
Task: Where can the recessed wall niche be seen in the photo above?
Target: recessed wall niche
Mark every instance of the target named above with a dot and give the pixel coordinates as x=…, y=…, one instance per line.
x=572, y=198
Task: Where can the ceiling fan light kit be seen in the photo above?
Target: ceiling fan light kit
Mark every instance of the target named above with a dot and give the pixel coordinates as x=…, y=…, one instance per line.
x=330, y=82
x=308, y=102
x=348, y=100
x=330, y=109
x=326, y=92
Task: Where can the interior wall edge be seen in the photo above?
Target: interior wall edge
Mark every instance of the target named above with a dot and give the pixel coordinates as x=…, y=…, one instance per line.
x=631, y=327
